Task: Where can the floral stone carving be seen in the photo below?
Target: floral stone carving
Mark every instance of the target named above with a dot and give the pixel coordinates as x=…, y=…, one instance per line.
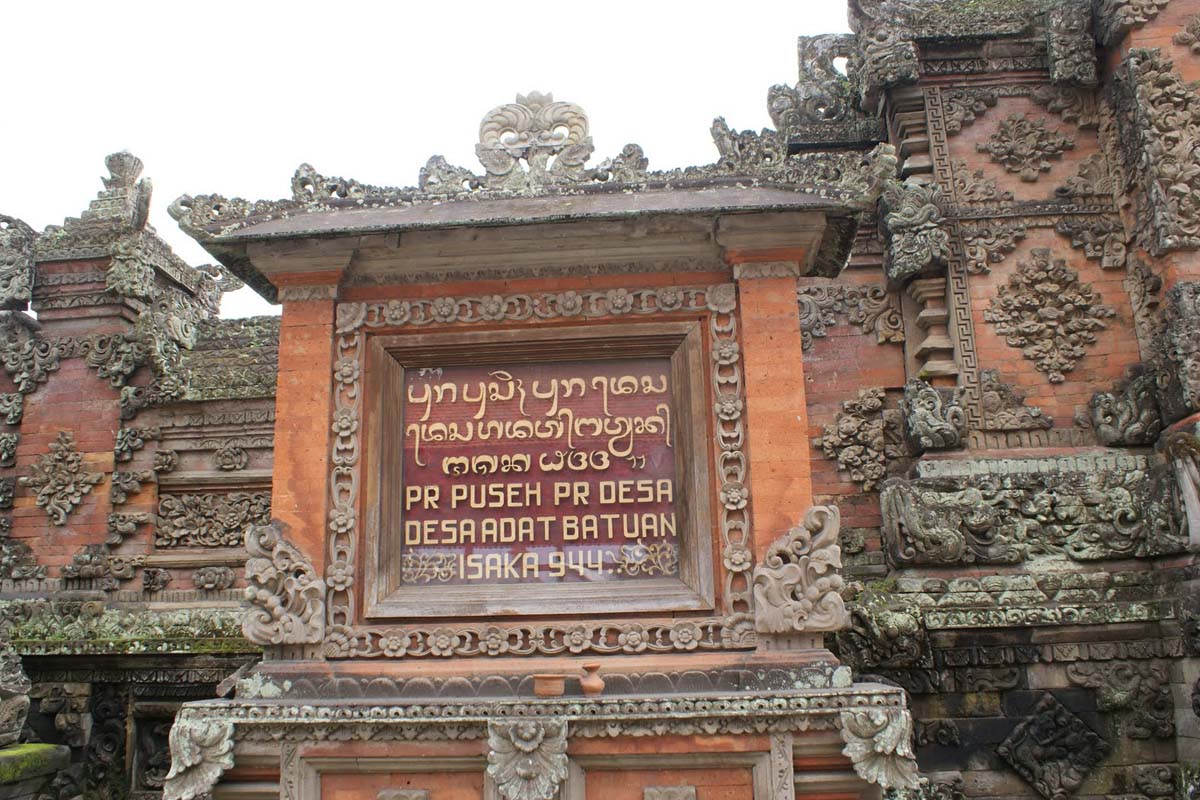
x=1158, y=115
x=879, y=744
x=1053, y=750
x=527, y=758
x=1178, y=352
x=1048, y=313
x=1025, y=146
x=933, y=420
x=870, y=308
x=16, y=263
x=1004, y=408
x=59, y=479
x=287, y=598
x=860, y=441
x=210, y=520
x=797, y=587
x=201, y=750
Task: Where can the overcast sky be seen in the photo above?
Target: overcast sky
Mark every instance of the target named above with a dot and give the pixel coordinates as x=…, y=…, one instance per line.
x=230, y=97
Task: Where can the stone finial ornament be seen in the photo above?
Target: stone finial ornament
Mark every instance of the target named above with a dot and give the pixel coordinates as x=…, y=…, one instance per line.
x=797, y=587
x=16, y=263
x=527, y=758
x=287, y=598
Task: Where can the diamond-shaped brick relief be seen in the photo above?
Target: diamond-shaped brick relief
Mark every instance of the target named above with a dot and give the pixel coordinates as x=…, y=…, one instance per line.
x=1053, y=750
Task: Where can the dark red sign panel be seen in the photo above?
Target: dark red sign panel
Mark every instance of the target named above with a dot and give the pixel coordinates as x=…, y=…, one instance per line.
x=539, y=473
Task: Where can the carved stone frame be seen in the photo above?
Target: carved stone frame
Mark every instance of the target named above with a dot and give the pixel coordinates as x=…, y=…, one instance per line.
x=301, y=776
x=387, y=359
x=729, y=627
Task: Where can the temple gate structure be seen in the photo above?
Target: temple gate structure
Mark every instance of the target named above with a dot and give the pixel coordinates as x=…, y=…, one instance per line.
x=861, y=462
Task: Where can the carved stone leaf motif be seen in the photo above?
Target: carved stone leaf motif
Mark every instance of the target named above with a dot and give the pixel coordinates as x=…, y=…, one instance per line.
x=871, y=308
x=1075, y=105
x=1115, y=18
x=1128, y=416
x=1141, y=688
x=213, y=579
x=960, y=107
x=59, y=479
x=1048, y=313
x=1025, y=146
x=1102, y=238
x=879, y=745
x=155, y=579
x=973, y=187
x=1092, y=178
x=1144, y=286
x=860, y=441
x=1158, y=116
x=796, y=588
x=8, y=449
x=1189, y=35
x=1004, y=408
x=932, y=421
x=527, y=758
x=989, y=243
x=1053, y=750
x=11, y=407
x=287, y=598
x=914, y=229
x=210, y=520
x=201, y=751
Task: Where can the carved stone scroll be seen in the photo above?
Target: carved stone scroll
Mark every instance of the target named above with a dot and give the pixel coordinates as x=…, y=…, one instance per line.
x=60, y=480
x=287, y=598
x=879, y=744
x=797, y=586
x=201, y=751
x=1025, y=146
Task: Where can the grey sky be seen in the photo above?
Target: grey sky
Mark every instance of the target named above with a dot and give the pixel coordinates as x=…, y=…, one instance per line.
x=230, y=97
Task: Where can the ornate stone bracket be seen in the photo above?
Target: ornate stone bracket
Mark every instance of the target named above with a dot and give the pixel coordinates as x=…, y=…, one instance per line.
x=286, y=596
x=879, y=744
x=201, y=751
x=915, y=230
x=1128, y=416
x=933, y=420
x=797, y=587
x=527, y=758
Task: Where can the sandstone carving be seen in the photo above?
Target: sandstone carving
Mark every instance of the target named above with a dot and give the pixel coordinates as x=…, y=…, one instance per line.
x=860, y=440
x=933, y=420
x=1025, y=146
x=796, y=588
x=1046, y=312
x=527, y=758
x=879, y=743
x=1129, y=415
x=287, y=598
x=201, y=751
x=915, y=229
x=59, y=479
x=1053, y=750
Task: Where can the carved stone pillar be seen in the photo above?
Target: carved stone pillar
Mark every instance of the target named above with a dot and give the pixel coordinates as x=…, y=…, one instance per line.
x=934, y=352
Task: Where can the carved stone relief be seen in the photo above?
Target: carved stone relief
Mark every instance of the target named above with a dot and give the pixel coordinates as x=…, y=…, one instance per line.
x=796, y=588
x=914, y=229
x=1127, y=416
x=1025, y=147
x=1158, y=116
x=527, y=758
x=1069, y=44
x=1053, y=750
x=861, y=440
x=988, y=243
x=16, y=263
x=1046, y=312
x=1004, y=408
x=1020, y=510
x=1141, y=689
x=1101, y=238
x=1178, y=352
x=286, y=596
x=871, y=308
x=933, y=420
x=1189, y=35
x=210, y=519
x=59, y=479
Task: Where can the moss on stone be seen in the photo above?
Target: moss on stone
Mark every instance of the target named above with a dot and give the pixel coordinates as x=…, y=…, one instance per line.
x=24, y=761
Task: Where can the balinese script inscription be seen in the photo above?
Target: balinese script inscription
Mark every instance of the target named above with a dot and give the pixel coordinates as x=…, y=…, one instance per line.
x=539, y=473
